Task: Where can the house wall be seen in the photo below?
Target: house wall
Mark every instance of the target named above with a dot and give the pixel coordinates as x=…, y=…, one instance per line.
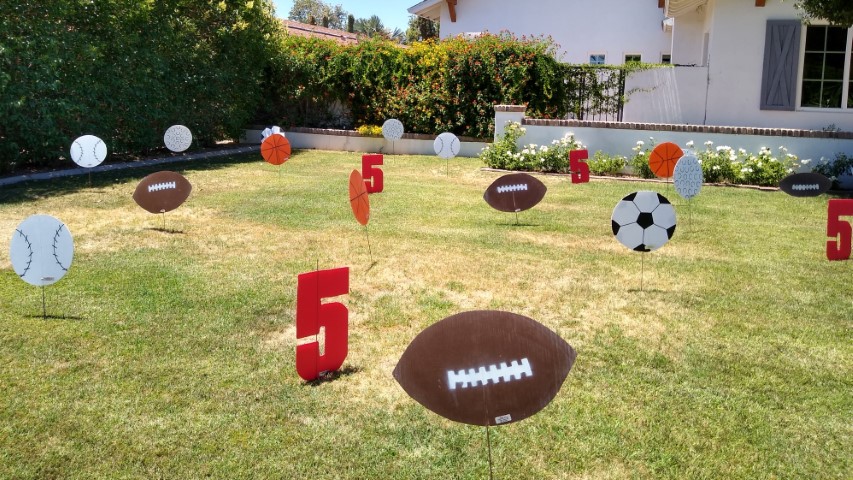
x=580, y=27
x=731, y=91
x=735, y=70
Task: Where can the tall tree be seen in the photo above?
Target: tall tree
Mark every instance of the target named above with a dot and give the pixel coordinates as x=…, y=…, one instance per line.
x=373, y=27
x=837, y=12
x=302, y=10
x=421, y=29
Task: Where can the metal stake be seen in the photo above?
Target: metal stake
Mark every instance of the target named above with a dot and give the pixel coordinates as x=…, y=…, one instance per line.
x=489, y=442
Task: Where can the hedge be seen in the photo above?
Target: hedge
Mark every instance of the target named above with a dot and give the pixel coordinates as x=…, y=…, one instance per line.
x=432, y=87
x=125, y=71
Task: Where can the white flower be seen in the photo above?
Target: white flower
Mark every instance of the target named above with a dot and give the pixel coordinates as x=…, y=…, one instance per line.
x=806, y=161
x=544, y=149
x=715, y=167
x=790, y=170
x=640, y=143
x=525, y=151
x=689, y=144
x=709, y=143
x=741, y=151
x=782, y=148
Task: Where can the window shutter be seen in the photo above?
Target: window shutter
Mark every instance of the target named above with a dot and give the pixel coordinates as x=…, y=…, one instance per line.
x=781, y=54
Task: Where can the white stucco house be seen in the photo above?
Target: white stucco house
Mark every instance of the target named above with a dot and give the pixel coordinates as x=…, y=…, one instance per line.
x=735, y=62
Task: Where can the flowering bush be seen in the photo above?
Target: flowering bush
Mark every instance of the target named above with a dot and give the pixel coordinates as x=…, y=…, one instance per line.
x=725, y=164
x=504, y=152
x=370, y=130
x=640, y=160
x=604, y=164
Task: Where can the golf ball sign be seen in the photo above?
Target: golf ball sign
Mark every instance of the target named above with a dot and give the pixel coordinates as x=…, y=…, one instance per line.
x=41, y=250
x=643, y=221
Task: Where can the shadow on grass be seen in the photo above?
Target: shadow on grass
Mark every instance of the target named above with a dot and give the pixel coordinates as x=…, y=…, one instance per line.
x=56, y=317
x=35, y=189
x=165, y=230
x=646, y=290
x=327, y=377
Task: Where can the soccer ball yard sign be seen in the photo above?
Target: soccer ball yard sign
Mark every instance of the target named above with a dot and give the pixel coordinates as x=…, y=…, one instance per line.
x=643, y=221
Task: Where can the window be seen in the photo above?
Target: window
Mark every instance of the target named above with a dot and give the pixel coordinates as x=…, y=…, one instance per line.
x=666, y=58
x=633, y=58
x=596, y=59
x=827, y=68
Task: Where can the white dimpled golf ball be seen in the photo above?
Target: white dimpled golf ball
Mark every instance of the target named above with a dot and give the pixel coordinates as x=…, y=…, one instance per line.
x=446, y=145
x=687, y=177
x=88, y=151
x=178, y=138
x=392, y=129
x=41, y=250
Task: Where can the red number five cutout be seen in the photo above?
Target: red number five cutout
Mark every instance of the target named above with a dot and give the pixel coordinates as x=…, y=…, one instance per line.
x=579, y=169
x=312, y=315
x=839, y=247
x=375, y=184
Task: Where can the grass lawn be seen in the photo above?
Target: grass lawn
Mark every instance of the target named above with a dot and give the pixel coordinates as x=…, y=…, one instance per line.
x=171, y=354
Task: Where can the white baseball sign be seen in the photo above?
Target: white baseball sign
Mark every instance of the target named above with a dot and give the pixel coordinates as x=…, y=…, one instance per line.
x=88, y=151
x=178, y=138
x=446, y=145
x=41, y=250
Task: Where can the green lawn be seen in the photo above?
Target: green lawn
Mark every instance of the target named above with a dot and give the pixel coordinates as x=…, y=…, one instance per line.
x=171, y=354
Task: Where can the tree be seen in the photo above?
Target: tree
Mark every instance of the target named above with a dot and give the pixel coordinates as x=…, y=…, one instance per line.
x=350, y=24
x=304, y=9
x=373, y=27
x=837, y=12
x=421, y=29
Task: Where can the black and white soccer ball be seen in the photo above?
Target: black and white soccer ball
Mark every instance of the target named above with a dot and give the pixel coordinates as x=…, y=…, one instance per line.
x=643, y=221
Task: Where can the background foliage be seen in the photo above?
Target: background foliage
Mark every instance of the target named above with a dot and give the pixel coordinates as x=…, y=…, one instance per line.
x=125, y=71
x=431, y=87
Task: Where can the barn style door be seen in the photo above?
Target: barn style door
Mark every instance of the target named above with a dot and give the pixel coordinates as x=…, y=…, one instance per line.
x=781, y=56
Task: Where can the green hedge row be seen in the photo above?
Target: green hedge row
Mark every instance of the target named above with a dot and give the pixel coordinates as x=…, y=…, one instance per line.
x=431, y=87
x=125, y=71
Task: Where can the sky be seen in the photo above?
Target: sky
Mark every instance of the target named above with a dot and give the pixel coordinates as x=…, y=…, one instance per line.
x=392, y=12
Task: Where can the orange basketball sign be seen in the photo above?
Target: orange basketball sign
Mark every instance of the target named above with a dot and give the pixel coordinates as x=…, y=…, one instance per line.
x=358, y=198
x=275, y=149
x=663, y=159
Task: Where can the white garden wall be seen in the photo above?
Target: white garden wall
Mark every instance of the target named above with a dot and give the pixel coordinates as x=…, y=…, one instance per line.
x=619, y=138
x=349, y=141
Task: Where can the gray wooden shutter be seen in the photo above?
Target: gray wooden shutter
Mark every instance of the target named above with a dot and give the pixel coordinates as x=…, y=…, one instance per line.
x=781, y=55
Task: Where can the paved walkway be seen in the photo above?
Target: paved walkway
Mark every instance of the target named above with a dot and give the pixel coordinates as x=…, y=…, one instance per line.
x=121, y=166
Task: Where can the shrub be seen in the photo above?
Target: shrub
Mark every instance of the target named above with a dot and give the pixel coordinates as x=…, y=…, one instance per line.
x=724, y=164
x=503, y=154
x=370, y=130
x=841, y=165
x=604, y=164
x=126, y=71
x=640, y=160
x=552, y=158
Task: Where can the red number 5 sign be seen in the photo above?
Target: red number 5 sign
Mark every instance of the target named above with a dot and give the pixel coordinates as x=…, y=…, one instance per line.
x=838, y=247
x=312, y=315
x=373, y=178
